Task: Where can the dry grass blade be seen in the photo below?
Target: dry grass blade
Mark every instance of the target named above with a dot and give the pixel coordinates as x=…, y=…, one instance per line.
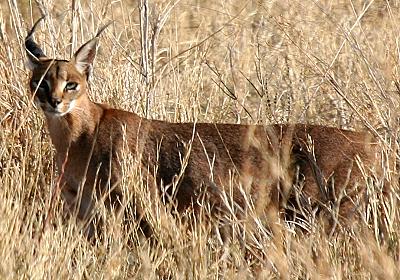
x=321, y=62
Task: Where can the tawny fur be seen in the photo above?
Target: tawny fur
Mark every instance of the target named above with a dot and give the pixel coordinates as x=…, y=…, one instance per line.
x=267, y=160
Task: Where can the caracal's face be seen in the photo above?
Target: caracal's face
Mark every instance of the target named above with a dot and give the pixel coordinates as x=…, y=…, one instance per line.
x=56, y=85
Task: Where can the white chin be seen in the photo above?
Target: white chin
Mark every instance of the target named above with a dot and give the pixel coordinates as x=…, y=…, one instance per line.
x=57, y=113
x=53, y=114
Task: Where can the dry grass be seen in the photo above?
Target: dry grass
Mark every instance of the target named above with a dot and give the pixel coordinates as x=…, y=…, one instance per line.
x=325, y=62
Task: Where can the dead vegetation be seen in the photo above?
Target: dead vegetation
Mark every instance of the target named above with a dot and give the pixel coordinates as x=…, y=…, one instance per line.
x=331, y=63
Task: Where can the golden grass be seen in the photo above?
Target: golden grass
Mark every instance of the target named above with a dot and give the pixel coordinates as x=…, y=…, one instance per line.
x=331, y=63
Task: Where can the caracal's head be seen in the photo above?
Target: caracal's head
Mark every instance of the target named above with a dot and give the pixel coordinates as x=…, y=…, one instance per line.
x=58, y=85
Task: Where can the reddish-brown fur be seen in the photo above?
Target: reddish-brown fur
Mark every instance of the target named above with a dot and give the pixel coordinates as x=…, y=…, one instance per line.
x=265, y=160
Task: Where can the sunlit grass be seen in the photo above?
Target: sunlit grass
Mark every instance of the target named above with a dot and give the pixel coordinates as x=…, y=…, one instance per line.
x=230, y=61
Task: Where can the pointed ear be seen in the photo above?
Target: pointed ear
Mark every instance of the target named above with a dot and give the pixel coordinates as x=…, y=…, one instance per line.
x=33, y=51
x=84, y=57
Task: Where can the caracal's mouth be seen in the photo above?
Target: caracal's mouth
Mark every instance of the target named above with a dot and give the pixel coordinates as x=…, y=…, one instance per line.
x=60, y=110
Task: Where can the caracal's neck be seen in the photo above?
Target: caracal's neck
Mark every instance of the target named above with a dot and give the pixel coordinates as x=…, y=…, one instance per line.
x=81, y=121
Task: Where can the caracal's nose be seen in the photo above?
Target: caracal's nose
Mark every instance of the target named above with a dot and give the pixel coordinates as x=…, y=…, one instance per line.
x=54, y=101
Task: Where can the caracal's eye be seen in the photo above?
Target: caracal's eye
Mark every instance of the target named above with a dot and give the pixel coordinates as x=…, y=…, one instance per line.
x=71, y=86
x=41, y=85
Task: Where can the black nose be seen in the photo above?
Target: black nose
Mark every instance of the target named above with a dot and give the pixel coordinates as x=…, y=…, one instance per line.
x=54, y=101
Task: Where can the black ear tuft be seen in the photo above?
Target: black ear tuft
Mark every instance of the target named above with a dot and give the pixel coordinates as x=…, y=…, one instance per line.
x=103, y=28
x=32, y=48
